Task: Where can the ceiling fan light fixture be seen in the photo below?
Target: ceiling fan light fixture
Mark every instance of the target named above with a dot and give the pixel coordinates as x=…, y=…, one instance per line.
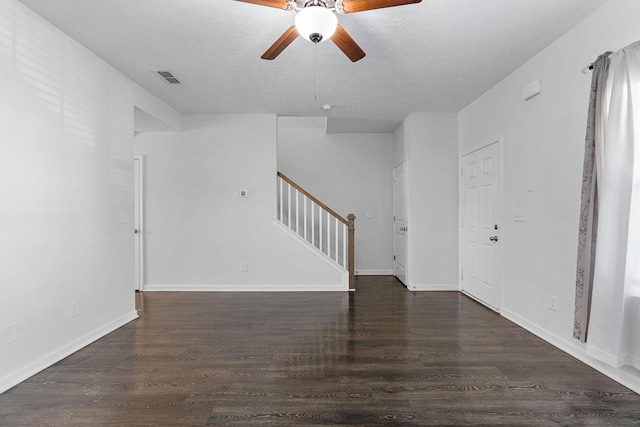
x=316, y=23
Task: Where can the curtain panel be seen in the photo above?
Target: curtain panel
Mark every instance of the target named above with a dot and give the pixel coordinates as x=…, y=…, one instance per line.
x=613, y=319
x=587, y=233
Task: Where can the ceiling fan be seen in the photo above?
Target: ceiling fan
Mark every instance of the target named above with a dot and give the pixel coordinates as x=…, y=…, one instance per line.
x=316, y=21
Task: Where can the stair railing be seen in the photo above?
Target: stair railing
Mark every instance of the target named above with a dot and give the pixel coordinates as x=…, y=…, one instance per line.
x=317, y=224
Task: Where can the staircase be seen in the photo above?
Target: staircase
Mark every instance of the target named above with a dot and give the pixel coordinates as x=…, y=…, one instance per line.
x=317, y=224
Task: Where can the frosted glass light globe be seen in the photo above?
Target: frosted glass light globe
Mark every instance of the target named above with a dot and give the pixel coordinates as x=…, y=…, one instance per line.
x=316, y=23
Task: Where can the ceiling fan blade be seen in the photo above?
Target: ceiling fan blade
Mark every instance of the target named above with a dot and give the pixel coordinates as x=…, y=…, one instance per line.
x=281, y=44
x=343, y=40
x=278, y=4
x=351, y=6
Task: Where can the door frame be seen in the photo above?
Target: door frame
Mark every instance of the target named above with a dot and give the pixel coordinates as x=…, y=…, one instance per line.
x=139, y=255
x=499, y=259
x=407, y=274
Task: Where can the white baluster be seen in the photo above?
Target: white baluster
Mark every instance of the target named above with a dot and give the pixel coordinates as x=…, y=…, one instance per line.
x=281, y=201
x=304, y=200
x=297, y=212
x=344, y=246
x=289, y=204
x=328, y=235
x=320, y=228
x=337, y=240
x=313, y=223
x=323, y=230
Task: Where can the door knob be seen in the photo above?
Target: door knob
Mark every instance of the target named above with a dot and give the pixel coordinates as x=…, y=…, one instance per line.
x=493, y=238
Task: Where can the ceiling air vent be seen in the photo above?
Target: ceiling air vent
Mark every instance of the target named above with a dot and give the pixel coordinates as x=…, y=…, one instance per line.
x=169, y=78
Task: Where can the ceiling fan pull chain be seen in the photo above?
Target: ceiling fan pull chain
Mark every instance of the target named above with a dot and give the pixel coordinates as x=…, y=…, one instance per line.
x=315, y=70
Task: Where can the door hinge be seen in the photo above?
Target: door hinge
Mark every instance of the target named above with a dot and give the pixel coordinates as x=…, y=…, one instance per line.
x=394, y=218
x=394, y=257
x=461, y=222
x=461, y=171
x=461, y=275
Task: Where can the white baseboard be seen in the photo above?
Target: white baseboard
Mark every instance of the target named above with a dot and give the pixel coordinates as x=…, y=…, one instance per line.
x=627, y=379
x=433, y=287
x=374, y=272
x=247, y=288
x=57, y=355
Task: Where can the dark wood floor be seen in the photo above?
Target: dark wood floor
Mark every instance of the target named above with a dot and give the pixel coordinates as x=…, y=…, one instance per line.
x=384, y=356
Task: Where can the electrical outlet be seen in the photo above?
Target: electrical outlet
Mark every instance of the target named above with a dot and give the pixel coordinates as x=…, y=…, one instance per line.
x=519, y=215
x=553, y=303
x=74, y=309
x=243, y=267
x=9, y=333
x=123, y=217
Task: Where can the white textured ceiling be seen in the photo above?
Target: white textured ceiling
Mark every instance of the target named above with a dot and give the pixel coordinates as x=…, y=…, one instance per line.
x=435, y=56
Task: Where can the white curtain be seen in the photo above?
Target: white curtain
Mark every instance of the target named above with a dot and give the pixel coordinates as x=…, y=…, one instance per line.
x=614, y=325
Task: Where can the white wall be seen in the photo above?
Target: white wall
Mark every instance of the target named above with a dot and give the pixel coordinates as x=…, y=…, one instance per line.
x=66, y=132
x=350, y=173
x=428, y=141
x=153, y=114
x=544, y=139
x=198, y=230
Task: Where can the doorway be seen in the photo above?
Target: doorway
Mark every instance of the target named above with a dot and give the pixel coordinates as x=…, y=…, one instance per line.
x=400, y=227
x=138, y=185
x=481, y=222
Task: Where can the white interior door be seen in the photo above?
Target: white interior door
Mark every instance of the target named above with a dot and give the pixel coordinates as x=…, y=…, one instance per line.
x=138, y=174
x=400, y=221
x=481, y=225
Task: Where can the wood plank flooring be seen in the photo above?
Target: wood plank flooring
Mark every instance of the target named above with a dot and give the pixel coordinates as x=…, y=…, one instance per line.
x=381, y=356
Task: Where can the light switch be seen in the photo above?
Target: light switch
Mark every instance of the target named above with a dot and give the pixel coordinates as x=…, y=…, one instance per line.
x=9, y=333
x=519, y=215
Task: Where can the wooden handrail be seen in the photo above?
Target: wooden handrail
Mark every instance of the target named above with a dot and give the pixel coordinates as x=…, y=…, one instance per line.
x=315, y=200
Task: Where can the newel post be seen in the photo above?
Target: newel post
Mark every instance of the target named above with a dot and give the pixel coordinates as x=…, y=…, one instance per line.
x=352, y=251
